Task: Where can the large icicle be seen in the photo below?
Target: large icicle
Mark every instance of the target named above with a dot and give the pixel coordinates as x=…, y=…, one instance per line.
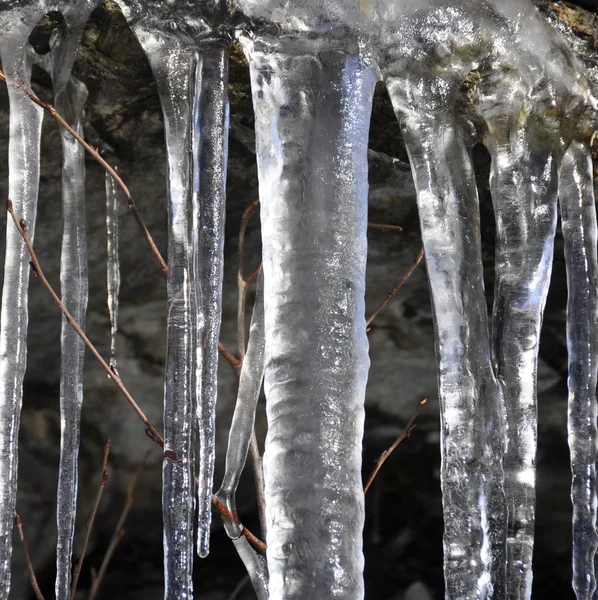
x=312, y=100
x=523, y=183
x=23, y=165
x=74, y=287
x=472, y=412
x=578, y=215
x=112, y=261
x=210, y=151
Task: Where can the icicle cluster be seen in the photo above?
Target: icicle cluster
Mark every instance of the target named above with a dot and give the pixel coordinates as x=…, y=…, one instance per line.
x=314, y=65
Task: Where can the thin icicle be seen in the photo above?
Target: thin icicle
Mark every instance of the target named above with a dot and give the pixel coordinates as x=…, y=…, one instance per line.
x=312, y=101
x=74, y=287
x=173, y=67
x=255, y=565
x=210, y=151
x=241, y=429
x=23, y=166
x=578, y=214
x=112, y=262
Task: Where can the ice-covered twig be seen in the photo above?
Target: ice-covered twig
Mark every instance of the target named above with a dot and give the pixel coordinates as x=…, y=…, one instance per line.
x=32, y=577
x=151, y=431
x=119, y=530
x=405, y=434
x=21, y=225
x=394, y=290
x=91, y=519
x=96, y=155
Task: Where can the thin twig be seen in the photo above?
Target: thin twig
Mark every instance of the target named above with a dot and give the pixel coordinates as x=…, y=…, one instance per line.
x=395, y=289
x=405, y=434
x=384, y=228
x=119, y=530
x=21, y=225
x=91, y=519
x=96, y=155
x=32, y=578
x=239, y=588
x=130, y=202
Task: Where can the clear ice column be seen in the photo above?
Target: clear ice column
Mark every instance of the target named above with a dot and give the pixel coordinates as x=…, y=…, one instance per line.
x=173, y=67
x=523, y=184
x=312, y=101
x=74, y=287
x=23, y=165
x=578, y=215
x=210, y=152
x=471, y=399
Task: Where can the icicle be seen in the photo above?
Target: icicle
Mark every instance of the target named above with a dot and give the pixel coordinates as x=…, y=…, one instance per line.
x=312, y=100
x=112, y=263
x=523, y=184
x=471, y=399
x=23, y=165
x=74, y=286
x=173, y=66
x=239, y=437
x=578, y=214
x=210, y=151
x=256, y=567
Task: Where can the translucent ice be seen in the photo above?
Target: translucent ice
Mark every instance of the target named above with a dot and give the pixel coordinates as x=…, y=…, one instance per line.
x=17, y=21
x=578, y=214
x=74, y=287
x=312, y=101
x=112, y=261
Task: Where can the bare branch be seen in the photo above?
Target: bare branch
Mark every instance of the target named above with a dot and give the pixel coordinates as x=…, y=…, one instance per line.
x=91, y=519
x=119, y=530
x=21, y=225
x=405, y=434
x=32, y=578
x=394, y=290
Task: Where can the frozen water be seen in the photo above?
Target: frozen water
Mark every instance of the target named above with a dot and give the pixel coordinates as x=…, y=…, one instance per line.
x=578, y=215
x=241, y=429
x=74, y=287
x=312, y=102
x=112, y=262
x=25, y=128
x=313, y=65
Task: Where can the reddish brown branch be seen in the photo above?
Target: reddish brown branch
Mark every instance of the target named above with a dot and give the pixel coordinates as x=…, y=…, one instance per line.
x=32, y=578
x=91, y=519
x=405, y=434
x=396, y=289
x=112, y=374
x=384, y=228
x=119, y=530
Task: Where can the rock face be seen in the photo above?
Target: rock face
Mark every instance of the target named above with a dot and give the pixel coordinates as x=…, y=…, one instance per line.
x=403, y=527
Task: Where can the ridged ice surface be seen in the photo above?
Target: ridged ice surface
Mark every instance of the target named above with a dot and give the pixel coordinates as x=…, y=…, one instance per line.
x=525, y=99
x=578, y=215
x=312, y=104
x=74, y=288
x=112, y=261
